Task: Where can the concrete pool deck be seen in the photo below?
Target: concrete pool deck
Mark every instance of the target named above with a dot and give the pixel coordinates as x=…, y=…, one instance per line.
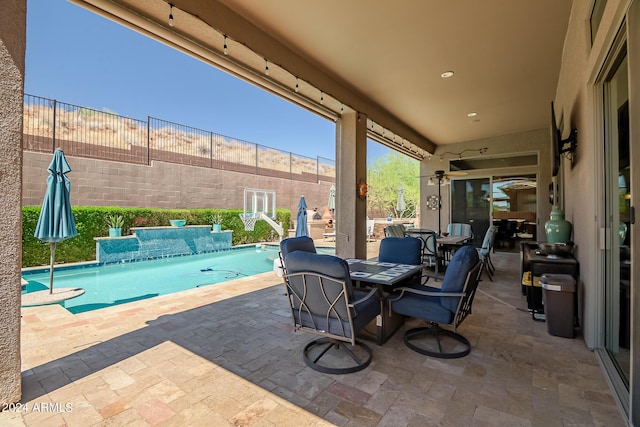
x=227, y=355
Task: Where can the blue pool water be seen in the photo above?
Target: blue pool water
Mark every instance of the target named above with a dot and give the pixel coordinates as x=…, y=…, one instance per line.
x=114, y=284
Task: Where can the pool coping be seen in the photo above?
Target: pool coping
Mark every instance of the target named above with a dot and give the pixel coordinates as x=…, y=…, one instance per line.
x=94, y=263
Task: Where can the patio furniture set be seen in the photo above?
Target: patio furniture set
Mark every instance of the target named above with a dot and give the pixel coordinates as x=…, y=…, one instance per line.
x=348, y=301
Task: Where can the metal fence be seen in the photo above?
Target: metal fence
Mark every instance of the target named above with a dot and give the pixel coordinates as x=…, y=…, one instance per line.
x=84, y=132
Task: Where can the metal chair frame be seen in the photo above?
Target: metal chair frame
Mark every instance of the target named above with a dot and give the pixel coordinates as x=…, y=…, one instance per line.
x=336, y=339
x=462, y=311
x=485, y=251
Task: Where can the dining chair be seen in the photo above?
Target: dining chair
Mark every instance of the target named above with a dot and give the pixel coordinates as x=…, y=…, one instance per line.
x=460, y=229
x=485, y=251
x=292, y=244
x=448, y=305
x=301, y=243
x=323, y=302
x=432, y=257
x=402, y=250
x=394, y=230
x=457, y=229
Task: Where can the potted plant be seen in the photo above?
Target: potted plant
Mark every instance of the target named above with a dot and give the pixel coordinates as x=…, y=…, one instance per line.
x=216, y=219
x=115, y=223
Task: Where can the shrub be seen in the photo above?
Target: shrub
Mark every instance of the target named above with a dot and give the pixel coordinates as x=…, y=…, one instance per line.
x=90, y=222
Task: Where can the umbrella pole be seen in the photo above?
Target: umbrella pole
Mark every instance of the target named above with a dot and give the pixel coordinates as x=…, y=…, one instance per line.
x=53, y=257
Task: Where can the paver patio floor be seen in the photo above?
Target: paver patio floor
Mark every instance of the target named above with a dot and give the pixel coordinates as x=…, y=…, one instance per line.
x=226, y=355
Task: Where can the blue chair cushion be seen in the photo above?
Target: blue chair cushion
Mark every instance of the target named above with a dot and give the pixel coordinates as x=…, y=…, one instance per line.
x=302, y=243
x=422, y=307
x=401, y=250
x=463, y=260
x=366, y=311
x=328, y=265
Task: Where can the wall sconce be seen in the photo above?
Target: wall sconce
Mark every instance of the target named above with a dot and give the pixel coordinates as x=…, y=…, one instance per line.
x=361, y=190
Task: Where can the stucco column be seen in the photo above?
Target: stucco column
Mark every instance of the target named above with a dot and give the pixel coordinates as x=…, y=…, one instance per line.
x=431, y=218
x=351, y=169
x=13, y=15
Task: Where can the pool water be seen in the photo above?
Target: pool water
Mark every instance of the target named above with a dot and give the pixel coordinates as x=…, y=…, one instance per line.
x=108, y=285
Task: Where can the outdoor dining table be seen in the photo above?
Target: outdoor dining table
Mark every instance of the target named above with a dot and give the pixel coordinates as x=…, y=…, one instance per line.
x=384, y=276
x=452, y=240
x=449, y=244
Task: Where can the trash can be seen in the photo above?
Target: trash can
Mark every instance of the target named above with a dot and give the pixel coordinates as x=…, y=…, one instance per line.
x=559, y=306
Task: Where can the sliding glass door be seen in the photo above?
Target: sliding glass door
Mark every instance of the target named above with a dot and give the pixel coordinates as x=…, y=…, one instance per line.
x=509, y=202
x=470, y=203
x=618, y=217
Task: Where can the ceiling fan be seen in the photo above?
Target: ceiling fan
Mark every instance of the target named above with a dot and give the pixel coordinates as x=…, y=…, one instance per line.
x=443, y=177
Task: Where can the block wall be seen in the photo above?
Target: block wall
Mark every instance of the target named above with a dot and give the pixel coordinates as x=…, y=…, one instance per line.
x=163, y=185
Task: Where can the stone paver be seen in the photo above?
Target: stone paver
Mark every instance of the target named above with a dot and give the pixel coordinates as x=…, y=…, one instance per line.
x=227, y=355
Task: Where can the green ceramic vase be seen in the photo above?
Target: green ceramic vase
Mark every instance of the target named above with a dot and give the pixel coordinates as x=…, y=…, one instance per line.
x=558, y=229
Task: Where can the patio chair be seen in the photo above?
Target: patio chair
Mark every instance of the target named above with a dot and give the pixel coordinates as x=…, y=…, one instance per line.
x=432, y=256
x=324, y=302
x=457, y=229
x=460, y=229
x=291, y=244
x=486, y=249
x=394, y=230
x=449, y=305
x=402, y=250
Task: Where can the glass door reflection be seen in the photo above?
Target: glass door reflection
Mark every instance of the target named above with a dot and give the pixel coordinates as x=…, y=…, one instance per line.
x=618, y=213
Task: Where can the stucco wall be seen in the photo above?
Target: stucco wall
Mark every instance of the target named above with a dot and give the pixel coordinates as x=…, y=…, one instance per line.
x=12, y=48
x=163, y=185
x=578, y=102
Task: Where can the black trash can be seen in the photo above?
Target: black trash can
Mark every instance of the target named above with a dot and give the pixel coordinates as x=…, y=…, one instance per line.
x=559, y=303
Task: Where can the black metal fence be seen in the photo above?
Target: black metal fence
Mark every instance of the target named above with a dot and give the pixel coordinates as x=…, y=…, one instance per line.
x=84, y=132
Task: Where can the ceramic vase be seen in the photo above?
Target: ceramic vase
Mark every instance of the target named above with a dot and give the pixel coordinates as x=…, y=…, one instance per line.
x=115, y=232
x=217, y=228
x=558, y=229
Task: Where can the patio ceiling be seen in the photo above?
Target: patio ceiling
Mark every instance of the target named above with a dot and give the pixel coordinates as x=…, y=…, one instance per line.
x=381, y=58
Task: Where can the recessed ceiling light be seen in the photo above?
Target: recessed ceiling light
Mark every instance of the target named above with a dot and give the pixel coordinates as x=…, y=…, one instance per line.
x=446, y=74
x=472, y=114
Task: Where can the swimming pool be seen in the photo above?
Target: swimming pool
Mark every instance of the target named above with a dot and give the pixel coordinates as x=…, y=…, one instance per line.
x=113, y=284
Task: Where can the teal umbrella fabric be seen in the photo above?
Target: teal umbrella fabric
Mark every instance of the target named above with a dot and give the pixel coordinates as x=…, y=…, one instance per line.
x=56, y=222
x=301, y=222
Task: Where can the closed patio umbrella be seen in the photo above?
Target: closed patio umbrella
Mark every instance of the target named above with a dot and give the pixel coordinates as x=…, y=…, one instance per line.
x=401, y=206
x=332, y=198
x=301, y=221
x=56, y=222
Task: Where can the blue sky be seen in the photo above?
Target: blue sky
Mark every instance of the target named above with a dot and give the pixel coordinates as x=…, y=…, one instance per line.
x=78, y=57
